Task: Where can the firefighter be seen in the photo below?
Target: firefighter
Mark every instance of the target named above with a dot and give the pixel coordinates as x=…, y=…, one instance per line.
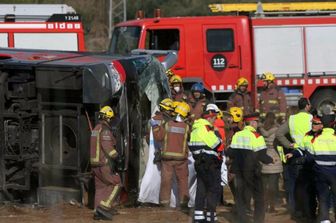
x=272, y=98
x=174, y=155
x=241, y=98
x=321, y=152
x=204, y=144
x=248, y=149
x=103, y=155
x=164, y=115
x=297, y=126
x=177, y=88
x=196, y=100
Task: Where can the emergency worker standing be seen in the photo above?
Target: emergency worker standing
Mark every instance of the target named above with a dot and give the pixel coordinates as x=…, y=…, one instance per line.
x=174, y=154
x=248, y=149
x=272, y=99
x=203, y=145
x=321, y=151
x=297, y=126
x=196, y=101
x=164, y=115
x=241, y=98
x=103, y=154
x=177, y=88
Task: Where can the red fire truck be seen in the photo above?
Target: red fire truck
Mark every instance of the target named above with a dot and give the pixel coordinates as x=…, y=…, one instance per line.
x=217, y=50
x=52, y=27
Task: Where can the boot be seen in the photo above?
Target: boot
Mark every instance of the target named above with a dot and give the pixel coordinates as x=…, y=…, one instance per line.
x=102, y=214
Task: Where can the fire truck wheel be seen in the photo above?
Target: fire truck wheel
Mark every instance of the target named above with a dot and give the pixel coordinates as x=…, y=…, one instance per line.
x=324, y=100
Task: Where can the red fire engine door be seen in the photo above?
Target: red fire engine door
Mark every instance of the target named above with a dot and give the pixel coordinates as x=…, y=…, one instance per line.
x=221, y=55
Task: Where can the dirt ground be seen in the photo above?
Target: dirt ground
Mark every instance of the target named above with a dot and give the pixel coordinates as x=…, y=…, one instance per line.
x=73, y=213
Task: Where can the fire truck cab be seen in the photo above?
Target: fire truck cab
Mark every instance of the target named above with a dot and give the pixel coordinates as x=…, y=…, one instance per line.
x=218, y=50
x=32, y=26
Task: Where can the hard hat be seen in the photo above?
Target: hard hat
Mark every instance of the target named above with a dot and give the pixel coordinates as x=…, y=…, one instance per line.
x=237, y=114
x=212, y=107
x=167, y=104
x=169, y=73
x=175, y=79
x=107, y=112
x=220, y=114
x=268, y=76
x=197, y=87
x=182, y=109
x=241, y=82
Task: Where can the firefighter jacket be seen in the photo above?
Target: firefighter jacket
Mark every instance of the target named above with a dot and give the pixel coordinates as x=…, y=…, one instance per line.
x=241, y=100
x=173, y=136
x=247, y=149
x=220, y=127
x=102, y=145
x=179, y=96
x=203, y=139
x=321, y=150
x=272, y=99
x=196, y=107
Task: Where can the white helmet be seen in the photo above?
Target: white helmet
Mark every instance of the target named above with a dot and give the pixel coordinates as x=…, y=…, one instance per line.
x=212, y=107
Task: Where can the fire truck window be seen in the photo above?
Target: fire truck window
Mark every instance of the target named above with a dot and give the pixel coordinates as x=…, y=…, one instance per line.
x=163, y=39
x=124, y=40
x=220, y=40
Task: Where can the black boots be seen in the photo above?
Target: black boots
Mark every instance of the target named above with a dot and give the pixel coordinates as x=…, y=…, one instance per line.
x=102, y=214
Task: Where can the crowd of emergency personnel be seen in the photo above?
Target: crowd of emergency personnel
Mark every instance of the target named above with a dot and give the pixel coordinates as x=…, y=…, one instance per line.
x=249, y=150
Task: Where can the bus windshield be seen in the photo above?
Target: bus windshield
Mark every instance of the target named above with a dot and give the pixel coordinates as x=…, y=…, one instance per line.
x=125, y=39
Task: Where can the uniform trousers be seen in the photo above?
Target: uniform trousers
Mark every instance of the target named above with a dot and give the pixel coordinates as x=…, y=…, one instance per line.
x=209, y=189
x=325, y=182
x=108, y=187
x=250, y=181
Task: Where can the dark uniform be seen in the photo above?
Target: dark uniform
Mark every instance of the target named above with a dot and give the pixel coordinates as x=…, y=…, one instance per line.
x=241, y=100
x=107, y=182
x=272, y=99
x=247, y=149
x=203, y=145
x=179, y=96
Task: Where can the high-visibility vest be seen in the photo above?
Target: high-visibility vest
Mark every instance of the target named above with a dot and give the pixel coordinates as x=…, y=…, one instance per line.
x=248, y=139
x=203, y=139
x=323, y=148
x=299, y=125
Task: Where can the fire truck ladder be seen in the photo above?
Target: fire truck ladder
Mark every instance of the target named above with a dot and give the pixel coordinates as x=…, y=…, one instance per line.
x=276, y=8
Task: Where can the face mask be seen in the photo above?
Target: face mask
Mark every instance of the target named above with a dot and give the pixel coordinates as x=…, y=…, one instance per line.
x=177, y=89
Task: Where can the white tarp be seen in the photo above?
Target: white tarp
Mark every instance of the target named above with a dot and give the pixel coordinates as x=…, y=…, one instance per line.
x=150, y=183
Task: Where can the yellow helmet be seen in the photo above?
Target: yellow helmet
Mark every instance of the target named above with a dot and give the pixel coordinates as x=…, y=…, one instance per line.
x=167, y=104
x=268, y=76
x=237, y=114
x=107, y=112
x=242, y=81
x=175, y=79
x=169, y=73
x=182, y=109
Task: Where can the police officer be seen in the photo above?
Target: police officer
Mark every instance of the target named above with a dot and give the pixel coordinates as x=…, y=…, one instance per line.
x=297, y=126
x=176, y=88
x=272, y=99
x=241, y=98
x=248, y=149
x=204, y=144
x=196, y=100
x=174, y=154
x=321, y=151
x=102, y=151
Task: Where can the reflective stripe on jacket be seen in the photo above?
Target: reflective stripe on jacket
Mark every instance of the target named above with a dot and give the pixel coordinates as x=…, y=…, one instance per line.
x=175, y=136
x=248, y=139
x=203, y=139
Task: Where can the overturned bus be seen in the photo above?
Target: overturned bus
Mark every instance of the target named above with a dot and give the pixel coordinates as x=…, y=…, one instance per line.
x=48, y=104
